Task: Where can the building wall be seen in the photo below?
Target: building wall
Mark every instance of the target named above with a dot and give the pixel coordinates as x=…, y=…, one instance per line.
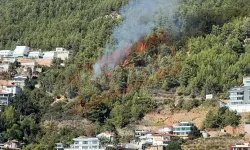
x=240, y=107
x=4, y=67
x=21, y=51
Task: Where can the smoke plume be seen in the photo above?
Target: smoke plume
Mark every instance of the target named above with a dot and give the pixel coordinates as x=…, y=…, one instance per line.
x=140, y=17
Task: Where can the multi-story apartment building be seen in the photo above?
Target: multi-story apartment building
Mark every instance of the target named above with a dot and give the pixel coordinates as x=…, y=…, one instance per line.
x=183, y=129
x=239, y=97
x=85, y=143
x=6, y=53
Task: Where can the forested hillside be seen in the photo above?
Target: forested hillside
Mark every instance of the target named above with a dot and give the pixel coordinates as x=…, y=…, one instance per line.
x=203, y=50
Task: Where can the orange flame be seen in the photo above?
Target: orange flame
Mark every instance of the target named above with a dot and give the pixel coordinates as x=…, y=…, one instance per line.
x=125, y=63
x=142, y=47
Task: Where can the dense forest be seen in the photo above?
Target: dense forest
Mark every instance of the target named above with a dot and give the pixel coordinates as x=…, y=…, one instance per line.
x=204, y=50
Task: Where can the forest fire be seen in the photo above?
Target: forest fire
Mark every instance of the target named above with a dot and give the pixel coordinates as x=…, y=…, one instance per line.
x=125, y=63
x=142, y=47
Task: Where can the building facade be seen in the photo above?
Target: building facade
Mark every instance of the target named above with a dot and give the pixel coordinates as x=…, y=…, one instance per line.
x=85, y=143
x=49, y=55
x=5, y=99
x=35, y=54
x=183, y=129
x=62, y=53
x=239, y=97
x=21, y=51
x=240, y=146
x=6, y=53
x=107, y=135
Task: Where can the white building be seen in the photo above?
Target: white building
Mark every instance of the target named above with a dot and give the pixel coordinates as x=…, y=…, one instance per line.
x=59, y=146
x=139, y=133
x=168, y=129
x=20, y=80
x=49, y=55
x=108, y=135
x=183, y=129
x=161, y=139
x=21, y=51
x=12, y=89
x=85, y=143
x=4, y=67
x=239, y=97
x=146, y=139
x=13, y=144
x=5, y=99
x=35, y=54
x=6, y=53
x=62, y=53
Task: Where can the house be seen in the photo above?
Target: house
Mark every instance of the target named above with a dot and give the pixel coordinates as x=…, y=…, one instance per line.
x=62, y=53
x=21, y=51
x=49, y=55
x=240, y=146
x=4, y=67
x=239, y=97
x=167, y=129
x=6, y=53
x=142, y=132
x=59, y=146
x=11, y=89
x=28, y=63
x=146, y=139
x=5, y=99
x=183, y=129
x=12, y=145
x=107, y=134
x=19, y=80
x=161, y=139
x=35, y=55
x=87, y=143
x=8, y=87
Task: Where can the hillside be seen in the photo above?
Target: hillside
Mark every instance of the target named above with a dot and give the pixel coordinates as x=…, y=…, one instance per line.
x=132, y=61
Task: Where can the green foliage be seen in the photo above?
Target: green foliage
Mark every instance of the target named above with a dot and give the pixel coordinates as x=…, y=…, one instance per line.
x=221, y=118
x=131, y=108
x=174, y=144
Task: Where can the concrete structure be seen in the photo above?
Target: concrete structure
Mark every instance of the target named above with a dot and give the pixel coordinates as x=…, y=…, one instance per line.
x=11, y=89
x=240, y=146
x=49, y=55
x=6, y=53
x=5, y=99
x=35, y=54
x=246, y=81
x=139, y=133
x=59, y=146
x=168, y=129
x=183, y=129
x=146, y=139
x=4, y=67
x=86, y=143
x=62, y=53
x=161, y=139
x=239, y=97
x=21, y=51
x=108, y=135
x=12, y=145
x=19, y=80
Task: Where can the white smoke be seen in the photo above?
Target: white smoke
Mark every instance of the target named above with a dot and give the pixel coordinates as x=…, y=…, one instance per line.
x=140, y=17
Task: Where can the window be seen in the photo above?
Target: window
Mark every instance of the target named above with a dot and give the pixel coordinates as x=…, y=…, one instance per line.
x=84, y=142
x=85, y=147
x=94, y=147
x=94, y=142
x=76, y=142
